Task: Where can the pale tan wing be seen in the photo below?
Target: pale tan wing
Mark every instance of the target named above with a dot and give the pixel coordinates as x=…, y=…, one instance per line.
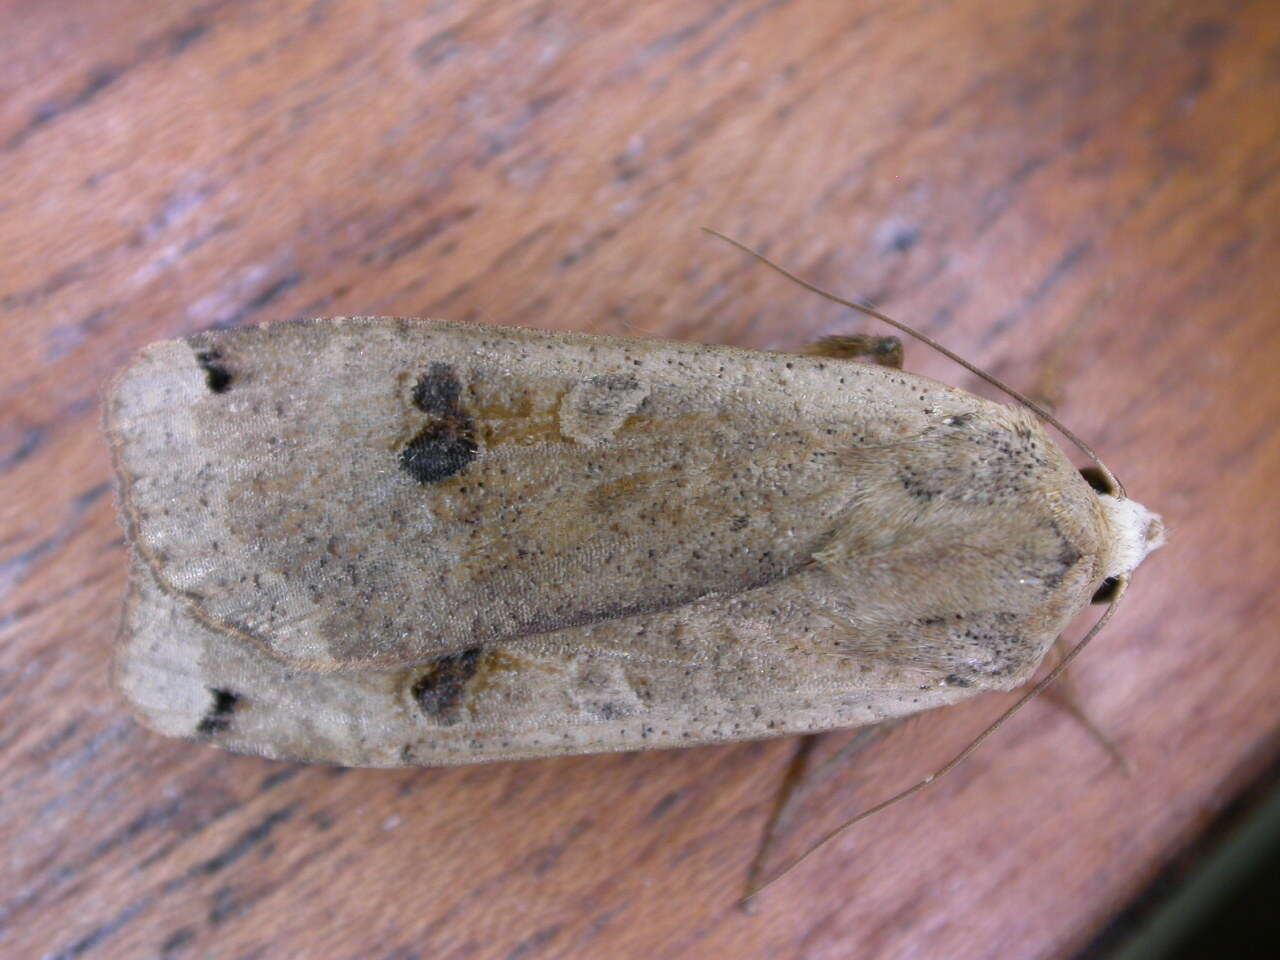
x=353, y=493
x=776, y=660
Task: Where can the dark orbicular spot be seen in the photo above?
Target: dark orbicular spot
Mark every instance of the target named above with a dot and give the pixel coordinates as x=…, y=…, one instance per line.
x=447, y=444
x=437, y=391
x=438, y=692
x=216, y=375
x=218, y=717
x=439, y=451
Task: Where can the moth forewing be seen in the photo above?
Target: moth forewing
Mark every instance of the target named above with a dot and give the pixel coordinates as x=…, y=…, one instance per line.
x=377, y=542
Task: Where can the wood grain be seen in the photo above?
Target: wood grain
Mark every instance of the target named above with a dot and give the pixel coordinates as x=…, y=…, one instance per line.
x=1082, y=196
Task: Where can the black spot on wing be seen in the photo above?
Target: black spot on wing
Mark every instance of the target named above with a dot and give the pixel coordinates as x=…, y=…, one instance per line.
x=437, y=391
x=439, y=690
x=438, y=452
x=218, y=717
x=446, y=445
x=216, y=375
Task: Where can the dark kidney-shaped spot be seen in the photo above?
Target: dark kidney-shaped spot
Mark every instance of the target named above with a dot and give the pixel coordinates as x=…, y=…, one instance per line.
x=445, y=446
x=439, y=691
x=439, y=451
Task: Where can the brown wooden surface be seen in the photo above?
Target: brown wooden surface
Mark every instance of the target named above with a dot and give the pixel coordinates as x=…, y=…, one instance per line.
x=1082, y=195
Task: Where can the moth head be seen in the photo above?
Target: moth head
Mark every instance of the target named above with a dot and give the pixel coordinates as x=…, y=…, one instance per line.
x=1135, y=532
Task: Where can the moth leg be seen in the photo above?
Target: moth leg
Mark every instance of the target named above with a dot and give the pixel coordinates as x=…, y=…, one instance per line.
x=797, y=781
x=882, y=351
x=1064, y=696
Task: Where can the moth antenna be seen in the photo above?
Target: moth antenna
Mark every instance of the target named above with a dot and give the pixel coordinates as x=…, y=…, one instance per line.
x=996, y=382
x=1050, y=677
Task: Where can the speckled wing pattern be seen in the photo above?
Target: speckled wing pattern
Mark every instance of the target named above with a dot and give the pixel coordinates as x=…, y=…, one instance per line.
x=379, y=542
x=589, y=689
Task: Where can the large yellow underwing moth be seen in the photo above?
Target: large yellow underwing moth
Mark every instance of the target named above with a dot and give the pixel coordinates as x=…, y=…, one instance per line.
x=382, y=542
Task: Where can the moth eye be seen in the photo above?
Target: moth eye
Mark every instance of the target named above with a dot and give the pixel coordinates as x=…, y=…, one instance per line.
x=1098, y=480
x=1108, y=591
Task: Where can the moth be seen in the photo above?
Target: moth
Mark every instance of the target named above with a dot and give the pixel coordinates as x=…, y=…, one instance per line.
x=384, y=542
